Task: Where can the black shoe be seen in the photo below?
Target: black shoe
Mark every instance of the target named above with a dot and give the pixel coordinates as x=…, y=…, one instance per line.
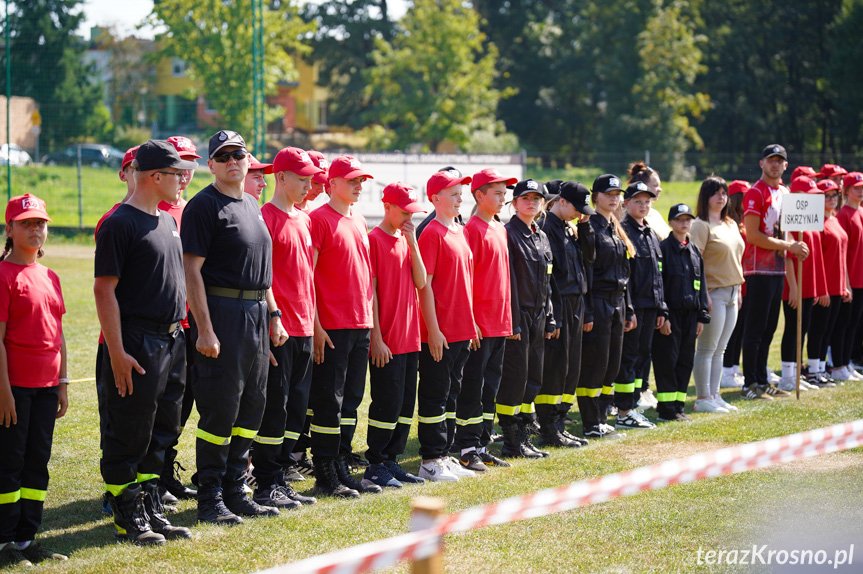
x=240, y=504
x=212, y=509
x=291, y=473
x=130, y=519
x=171, y=482
x=344, y=474
x=496, y=437
x=156, y=514
x=274, y=496
x=526, y=433
x=472, y=461
x=354, y=461
x=327, y=481
x=513, y=446
x=293, y=495
x=37, y=553
x=401, y=474
x=166, y=496
x=490, y=460
x=305, y=466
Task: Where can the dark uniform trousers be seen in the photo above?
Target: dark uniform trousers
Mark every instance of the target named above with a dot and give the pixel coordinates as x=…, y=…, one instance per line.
x=821, y=326
x=765, y=297
x=673, y=357
x=436, y=380
x=337, y=391
x=522, y=370
x=562, y=362
x=636, y=356
x=482, y=374
x=601, y=352
x=391, y=412
x=230, y=390
x=26, y=449
x=139, y=427
x=188, y=398
x=288, y=386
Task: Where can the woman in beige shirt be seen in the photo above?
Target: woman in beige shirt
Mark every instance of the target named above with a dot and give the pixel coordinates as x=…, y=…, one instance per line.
x=718, y=238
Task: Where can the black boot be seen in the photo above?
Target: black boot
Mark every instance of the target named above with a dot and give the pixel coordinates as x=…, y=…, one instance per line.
x=327, y=481
x=512, y=445
x=526, y=433
x=130, y=519
x=170, y=479
x=156, y=513
x=550, y=434
x=348, y=480
x=561, y=426
x=212, y=509
x=240, y=504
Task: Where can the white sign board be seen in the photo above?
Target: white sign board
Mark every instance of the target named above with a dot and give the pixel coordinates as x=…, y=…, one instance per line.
x=802, y=212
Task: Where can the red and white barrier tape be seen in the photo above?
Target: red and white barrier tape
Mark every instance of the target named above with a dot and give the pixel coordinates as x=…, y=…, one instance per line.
x=421, y=544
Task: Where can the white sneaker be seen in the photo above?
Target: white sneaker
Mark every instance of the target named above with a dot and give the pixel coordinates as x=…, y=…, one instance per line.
x=720, y=402
x=609, y=431
x=647, y=401
x=853, y=375
x=437, y=471
x=633, y=420
x=740, y=378
x=788, y=384
x=804, y=384
x=730, y=382
x=708, y=406
x=457, y=469
x=839, y=374
x=773, y=378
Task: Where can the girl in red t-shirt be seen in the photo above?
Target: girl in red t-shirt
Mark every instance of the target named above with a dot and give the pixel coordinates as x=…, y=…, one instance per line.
x=32, y=378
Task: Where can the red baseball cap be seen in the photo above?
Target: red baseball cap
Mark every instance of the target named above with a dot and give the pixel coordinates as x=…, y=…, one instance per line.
x=403, y=196
x=184, y=147
x=347, y=167
x=129, y=156
x=803, y=184
x=295, y=160
x=26, y=206
x=489, y=175
x=320, y=161
x=853, y=179
x=829, y=170
x=803, y=170
x=738, y=186
x=826, y=185
x=444, y=179
x=255, y=164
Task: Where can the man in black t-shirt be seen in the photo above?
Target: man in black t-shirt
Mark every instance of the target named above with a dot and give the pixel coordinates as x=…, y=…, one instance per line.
x=140, y=293
x=227, y=257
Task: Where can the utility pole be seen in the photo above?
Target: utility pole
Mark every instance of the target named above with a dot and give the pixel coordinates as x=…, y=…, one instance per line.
x=8, y=117
x=258, y=79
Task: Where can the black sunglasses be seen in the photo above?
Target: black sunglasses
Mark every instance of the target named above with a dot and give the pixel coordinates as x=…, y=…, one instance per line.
x=237, y=154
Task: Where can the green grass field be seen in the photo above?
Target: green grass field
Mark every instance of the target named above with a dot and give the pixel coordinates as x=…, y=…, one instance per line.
x=813, y=504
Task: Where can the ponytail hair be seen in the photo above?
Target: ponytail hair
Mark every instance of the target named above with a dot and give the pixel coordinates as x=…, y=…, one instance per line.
x=6, y=249
x=639, y=171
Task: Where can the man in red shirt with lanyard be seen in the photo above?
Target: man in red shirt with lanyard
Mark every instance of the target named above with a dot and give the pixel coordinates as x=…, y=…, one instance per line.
x=764, y=269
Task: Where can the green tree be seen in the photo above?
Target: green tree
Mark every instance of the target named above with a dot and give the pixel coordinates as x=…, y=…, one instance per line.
x=47, y=65
x=214, y=37
x=342, y=46
x=845, y=81
x=434, y=80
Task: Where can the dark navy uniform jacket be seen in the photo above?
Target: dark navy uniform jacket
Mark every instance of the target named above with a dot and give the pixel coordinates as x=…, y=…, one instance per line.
x=609, y=274
x=683, y=277
x=530, y=267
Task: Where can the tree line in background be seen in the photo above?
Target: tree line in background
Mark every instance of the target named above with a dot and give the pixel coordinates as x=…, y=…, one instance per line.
x=579, y=78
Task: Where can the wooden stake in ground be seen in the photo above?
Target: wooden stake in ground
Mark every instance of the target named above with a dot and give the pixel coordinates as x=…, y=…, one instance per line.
x=799, y=319
x=425, y=512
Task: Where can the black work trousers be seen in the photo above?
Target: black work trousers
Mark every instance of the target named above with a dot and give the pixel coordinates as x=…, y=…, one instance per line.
x=842, y=340
x=731, y=357
x=230, y=390
x=789, y=333
x=436, y=380
x=25, y=449
x=338, y=385
x=562, y=362
x=522, y=369
x=391, y=412
x=764, y=294
x=673, y=358
x=479, y=387
x=601, y=351
x=821, y=326
x=288, y=386
x=139, y=427
x=637, y=344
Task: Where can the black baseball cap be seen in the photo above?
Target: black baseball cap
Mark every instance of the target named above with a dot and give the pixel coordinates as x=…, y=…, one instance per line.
x=529, y=186
x=679, y=210
x=637, y=187
x=774, y=149
x=605, y=183
x=158, y=154
x=553, y=186
x=224, y=138
x=577, y=194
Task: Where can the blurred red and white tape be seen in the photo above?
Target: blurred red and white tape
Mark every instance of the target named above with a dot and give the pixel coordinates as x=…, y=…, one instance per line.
x=423, y=543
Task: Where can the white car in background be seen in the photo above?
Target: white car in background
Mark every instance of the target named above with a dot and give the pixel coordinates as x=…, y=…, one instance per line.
x=13, y=154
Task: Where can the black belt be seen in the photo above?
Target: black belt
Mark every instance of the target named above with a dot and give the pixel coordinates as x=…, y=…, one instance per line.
x=161, y=328
x=247, y=294
x=608, y=295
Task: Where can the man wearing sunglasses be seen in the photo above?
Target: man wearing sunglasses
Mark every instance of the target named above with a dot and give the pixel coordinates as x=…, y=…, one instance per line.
x=227, y=257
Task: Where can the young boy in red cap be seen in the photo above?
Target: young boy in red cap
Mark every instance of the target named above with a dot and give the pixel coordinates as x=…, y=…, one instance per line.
x=343, y=320
x=447, y=326
x=397, y=273
x=486, y=236
x=255, y=181
x=290, y=374
x=319, y=180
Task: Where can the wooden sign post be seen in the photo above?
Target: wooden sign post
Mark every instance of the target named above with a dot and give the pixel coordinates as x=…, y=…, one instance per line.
x=801, y=212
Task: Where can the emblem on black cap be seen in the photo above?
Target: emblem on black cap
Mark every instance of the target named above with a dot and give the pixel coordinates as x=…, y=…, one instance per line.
x=531, y=184
x=613, y=182
x=223, y=136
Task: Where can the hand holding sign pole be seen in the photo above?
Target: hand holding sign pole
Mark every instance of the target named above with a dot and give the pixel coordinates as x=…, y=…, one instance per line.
x=801, y=212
